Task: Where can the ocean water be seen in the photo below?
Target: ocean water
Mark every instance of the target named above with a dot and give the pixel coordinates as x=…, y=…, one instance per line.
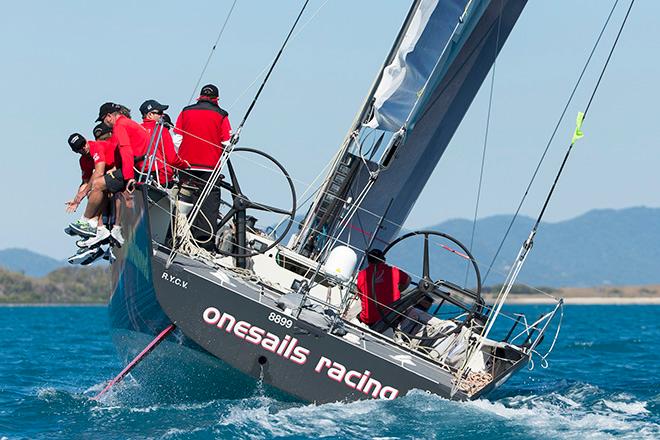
x=603, y=382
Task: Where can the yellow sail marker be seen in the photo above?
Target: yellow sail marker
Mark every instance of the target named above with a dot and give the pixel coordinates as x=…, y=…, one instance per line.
x=578, y=134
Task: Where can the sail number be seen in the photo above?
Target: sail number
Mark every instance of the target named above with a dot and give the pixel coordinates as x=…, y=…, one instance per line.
x=279, y=319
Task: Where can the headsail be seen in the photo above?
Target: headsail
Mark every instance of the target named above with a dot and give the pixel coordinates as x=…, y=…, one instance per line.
x=439, y=61
x=421, y=49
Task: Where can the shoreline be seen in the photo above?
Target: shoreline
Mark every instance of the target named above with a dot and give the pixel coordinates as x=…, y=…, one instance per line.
x=53, y=305
x=513, y=300
x=582, y=300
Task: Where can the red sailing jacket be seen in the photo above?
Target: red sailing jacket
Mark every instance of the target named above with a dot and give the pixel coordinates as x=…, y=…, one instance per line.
x=383, y=282
x=132, y=140
x=204, y=126
x=99, y=151
x=172, y=159
x=86, y=166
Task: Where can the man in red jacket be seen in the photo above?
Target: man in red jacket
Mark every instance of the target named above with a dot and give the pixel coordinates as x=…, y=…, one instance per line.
x=205, y=131
x=379, y=285
x=130, y=140
x=100, y=154
x=166, y=155
x=92, y=164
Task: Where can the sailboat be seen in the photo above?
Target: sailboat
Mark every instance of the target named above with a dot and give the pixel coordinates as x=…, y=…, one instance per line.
x=283, y=315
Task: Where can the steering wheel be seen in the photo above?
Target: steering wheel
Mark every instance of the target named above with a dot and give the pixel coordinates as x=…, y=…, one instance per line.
x=427, y=285
x=241, y=203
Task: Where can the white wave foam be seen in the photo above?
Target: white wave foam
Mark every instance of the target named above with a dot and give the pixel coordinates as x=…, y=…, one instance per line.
x=573, y=416
x=46, y=392
x=269, y=418
x=176, y=432
x=583, y=343
x=631, y=408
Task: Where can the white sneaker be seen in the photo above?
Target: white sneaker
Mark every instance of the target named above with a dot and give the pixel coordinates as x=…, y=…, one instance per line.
x=81, y=227
x=109, y=255
x=96, y=254
x=116, y=236
x=85, y=256
x=102, y=234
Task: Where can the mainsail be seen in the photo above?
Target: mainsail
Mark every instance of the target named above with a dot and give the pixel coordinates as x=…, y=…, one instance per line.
x=433, y=72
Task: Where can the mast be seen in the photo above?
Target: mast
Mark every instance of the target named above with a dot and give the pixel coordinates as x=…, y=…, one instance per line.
x=435, y=68
x=308, y=233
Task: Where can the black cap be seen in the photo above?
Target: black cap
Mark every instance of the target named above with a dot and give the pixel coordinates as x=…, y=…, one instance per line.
x=210, y=90
x=151, y=105
x=77, y=142
x=167, y=120
x=107, y=108
x=100, y=130
x=375, y=256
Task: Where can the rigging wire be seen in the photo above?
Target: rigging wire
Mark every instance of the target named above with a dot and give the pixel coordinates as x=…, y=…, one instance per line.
x=208, y=60
x=527, y=245
x=415, y=275
x=552, y=137
x=302, y=27
x=392, y=222
x=483, y=153
x=272, y=66
x=586, y=110
x=215, y=175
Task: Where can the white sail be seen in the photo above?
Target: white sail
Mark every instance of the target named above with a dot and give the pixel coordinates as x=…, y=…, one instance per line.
x=422, y=46
x=442, y=55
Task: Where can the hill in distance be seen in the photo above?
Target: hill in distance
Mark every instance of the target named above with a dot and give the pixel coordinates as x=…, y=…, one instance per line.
x=79, y=285
x=601, y=247
x=28, y=262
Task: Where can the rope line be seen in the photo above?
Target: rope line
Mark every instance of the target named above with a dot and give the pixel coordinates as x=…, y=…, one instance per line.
x=483, y=153
x=208, y=60
x=256, y=78
x=552, y=137
x=188, y=246
x=568, y=152
x=272, y=66
x=437, y=243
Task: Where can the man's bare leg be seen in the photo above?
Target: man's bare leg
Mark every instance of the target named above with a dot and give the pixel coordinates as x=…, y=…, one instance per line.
x=96, y=196
x=116, y=234
x=95, y=205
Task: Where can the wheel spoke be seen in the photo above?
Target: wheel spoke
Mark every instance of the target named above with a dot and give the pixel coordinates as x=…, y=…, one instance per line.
x=234, y=179
x=227, y=217
x=268, y=208
x=425, y=269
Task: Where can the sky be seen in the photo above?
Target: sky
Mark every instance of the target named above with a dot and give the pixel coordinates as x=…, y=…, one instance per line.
x=61, y=60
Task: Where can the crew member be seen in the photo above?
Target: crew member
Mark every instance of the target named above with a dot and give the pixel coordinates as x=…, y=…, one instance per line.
x=90, y=155
x=166, y=155
x=101, y=153
x=205, y=131
x=130, y=140
x=417, y=316
x=379, y=285
x=85, y=227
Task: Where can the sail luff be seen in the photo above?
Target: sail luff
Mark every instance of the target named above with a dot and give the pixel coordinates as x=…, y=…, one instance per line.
x=306, y=227
x=459, y=38
x=438, y=117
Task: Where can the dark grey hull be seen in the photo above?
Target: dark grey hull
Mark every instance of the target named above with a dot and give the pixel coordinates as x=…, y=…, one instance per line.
x=259, y=344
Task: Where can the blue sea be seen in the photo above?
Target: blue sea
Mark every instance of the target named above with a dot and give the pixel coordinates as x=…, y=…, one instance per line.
x=603, y=381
